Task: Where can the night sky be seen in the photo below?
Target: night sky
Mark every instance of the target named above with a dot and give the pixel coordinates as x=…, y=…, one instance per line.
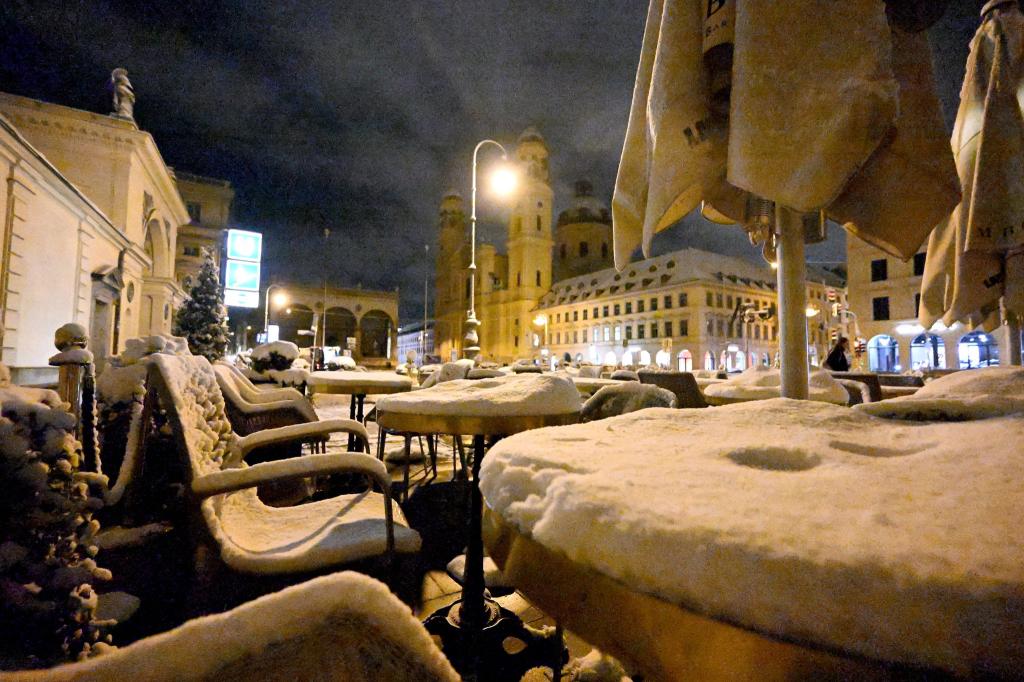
x=358, y=116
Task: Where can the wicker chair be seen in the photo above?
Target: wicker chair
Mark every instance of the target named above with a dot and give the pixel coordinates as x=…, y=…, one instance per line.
x=226, y=515
x=248, y=416
x=682, y=384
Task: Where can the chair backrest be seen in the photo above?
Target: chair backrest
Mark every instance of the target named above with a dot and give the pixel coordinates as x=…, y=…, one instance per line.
x=343, y=626
x=188, y=391
x=625, y=375
x=590, y=371
x=871, y=380
x=682, y=384
x=241, y=382
x=904, y=380
x=629, y=396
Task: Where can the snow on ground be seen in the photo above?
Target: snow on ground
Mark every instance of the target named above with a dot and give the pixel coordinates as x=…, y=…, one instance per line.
x=970, y=394
x=760, y=383
x=898, y=540
x=516, y=394
x=345, y=622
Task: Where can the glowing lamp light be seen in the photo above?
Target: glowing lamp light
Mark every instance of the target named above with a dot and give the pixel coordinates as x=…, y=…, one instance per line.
x=909, y=329
x=540, y=320
x=774, y=264
x=279, y=299
x=811, y=311
x=288, y=311
x=504, y=181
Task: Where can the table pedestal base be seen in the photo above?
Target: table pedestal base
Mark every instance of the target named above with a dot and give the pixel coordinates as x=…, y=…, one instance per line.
x=502, y=650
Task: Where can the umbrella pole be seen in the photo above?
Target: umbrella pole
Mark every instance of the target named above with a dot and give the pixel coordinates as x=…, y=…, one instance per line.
x=792, y=288
x=1013, y=339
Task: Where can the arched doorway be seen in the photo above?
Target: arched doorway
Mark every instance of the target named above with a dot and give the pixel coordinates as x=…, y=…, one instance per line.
x=883, y=353
x=339, y=325
x=662, y=359
x=709, y=362
x=685, y=361
x=610, y=359
x=627, y=359
x=292, y=320
x=977, y=349
x=927, y=351
x=375, y=337
x=645, y=358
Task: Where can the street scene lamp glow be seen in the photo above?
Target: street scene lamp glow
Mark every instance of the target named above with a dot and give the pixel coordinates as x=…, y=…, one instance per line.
x=280, y=299
x=540, y=320
x=811, y=311
x=504, y=181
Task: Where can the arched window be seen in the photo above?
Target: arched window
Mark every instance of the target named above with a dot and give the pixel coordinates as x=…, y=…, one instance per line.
x=927, y=351
x=561, y=251
x=584, y=249
x=340, y=326
x=883, y=353
x=977, y=349
x=376, y=329
x=604, y=249
x=538, y=278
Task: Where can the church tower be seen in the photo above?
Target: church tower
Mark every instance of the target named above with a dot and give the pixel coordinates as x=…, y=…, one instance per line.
x=583, y=237
x=529, y=226
x=450, y=295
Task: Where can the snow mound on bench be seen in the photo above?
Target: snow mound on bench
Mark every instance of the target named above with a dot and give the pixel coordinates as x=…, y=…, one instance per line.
x=896, y=540
x=961, y=396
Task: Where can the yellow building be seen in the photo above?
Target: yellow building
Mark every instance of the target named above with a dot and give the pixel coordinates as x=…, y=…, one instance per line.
x=687, y=304
x=129, y=281
x=208, y=201
x=683, y=309
x=884, y=296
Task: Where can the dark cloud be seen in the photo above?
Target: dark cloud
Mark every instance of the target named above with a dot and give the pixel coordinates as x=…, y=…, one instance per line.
x=357, y=115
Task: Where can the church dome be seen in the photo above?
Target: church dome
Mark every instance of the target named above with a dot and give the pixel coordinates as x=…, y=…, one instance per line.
x=586, y=208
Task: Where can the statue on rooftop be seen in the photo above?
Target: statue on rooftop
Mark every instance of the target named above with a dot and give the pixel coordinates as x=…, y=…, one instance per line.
x=123, y=94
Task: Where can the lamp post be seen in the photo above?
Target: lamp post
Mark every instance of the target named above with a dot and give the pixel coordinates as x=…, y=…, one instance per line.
x=542, y=321
x=503, y=183
x=266, y=308
x=426, y=276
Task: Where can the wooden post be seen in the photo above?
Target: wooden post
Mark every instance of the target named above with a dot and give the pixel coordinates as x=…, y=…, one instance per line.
x=77, y=387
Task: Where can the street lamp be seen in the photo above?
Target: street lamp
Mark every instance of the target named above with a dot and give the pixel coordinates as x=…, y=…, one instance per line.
x=280, y=298
x=542, y=321
x=503, y=181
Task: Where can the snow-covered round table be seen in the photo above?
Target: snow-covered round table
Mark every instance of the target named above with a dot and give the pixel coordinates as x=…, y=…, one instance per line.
x=473, y=629
x=764, y=383
x=358, y=385
x=776, y=539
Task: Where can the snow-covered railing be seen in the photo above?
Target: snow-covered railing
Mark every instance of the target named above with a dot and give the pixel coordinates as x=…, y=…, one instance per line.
x=76, y=386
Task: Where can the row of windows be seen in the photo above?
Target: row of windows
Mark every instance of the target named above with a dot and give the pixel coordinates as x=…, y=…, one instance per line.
x=617, y=308
x=880, y=268
x=735, y=330
x=720, y=300
x=617, y=332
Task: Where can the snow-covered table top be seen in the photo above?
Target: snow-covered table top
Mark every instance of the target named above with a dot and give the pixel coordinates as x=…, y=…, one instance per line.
x=761, y=383
x=358, y=382
x=896, y=540
x=494, y=406
x=592, y=384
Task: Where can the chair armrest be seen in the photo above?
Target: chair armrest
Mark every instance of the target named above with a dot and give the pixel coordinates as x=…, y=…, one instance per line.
x=229, y=480
x=300, y=432
x=276, y=395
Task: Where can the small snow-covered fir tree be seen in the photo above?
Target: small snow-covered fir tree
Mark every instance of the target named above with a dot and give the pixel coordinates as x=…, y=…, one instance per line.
x=203, y=319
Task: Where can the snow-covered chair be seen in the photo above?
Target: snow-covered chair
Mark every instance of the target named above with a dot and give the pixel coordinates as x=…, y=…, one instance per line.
x=343, y=626
x=682, y=384
x=625, y=375
x=630, y=396
x=249, y=536
x=250, y=413
x=254, y=394
x=590, y=371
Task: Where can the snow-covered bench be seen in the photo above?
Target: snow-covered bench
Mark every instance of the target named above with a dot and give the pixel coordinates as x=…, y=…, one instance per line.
x=343, y=626
x=249, y=536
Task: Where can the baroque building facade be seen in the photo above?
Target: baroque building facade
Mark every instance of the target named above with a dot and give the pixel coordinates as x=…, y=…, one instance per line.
x=557, y=294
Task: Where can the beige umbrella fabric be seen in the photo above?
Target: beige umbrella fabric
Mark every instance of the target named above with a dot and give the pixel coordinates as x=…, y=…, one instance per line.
x=822, y=115
x=976, y=256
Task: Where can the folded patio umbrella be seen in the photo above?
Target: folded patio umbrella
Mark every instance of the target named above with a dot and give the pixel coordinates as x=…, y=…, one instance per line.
x=976, y=256
x=828, y=108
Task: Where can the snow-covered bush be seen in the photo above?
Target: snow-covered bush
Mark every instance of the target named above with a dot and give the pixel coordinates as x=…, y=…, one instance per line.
x=47, y=551
x=277, y=355
x=202, y=319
